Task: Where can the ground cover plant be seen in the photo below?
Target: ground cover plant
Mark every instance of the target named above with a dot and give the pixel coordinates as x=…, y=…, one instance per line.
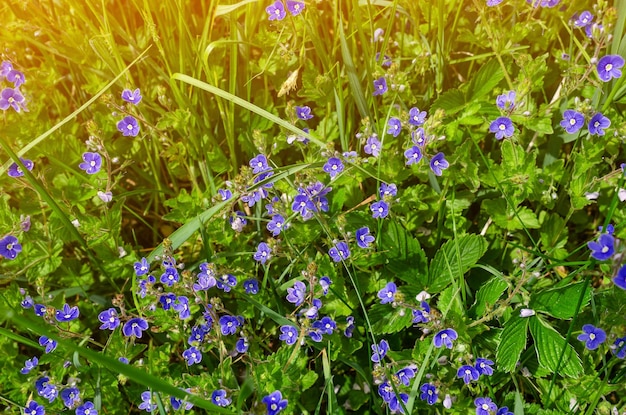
x=316, y=207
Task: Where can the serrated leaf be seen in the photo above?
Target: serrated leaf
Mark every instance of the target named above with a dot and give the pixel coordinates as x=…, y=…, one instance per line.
x=561, y=302
x=454, y=259
x=450, y=305
x=406, y=258
x=487, y=295
x=549, y=345
x=512, y=343
x=386, y=319
x=451, y=101
x=486, y=79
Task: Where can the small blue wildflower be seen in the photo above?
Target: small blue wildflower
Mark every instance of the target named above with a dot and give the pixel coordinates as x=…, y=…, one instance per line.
x=379, y=209
x=10, y=97
x=49, y=344
x=132, y=97
x=468, y=373
x=274, y=402
x=276, y=11
x=363, y=237
x=219, y=398
x=387, y=190
x=92, y=162
x=444, y=338
x=70, y=396
x=619, y=347
x=333, y=167
x=572, y=121
x=304, y=113
x=394, y=126
x=27, y=302
x=485, y=406
x=325, y=283
x=506, y=101
x=263, y=253
x=504, y=411
x=242, y=345
x=380, y=86
x=238, y=221
x=276, y=225
x=349, y=327
x=289, y=334
x=421, y=315
x=429, y=393
x=610, y=67
x=339, y=252
x=502, y=127
x=372, y=146
x=182, y=307
x=418, y=137
x=16, y=171
x=67, y=313
x=484, y=366
x=109, y=319
x=417, y=117
x=135, y=327
x=251, y=286
x=147, y=404
x=492, y=3
x=40, y=310
x=296, y=294
x=33, y=408
x=413, y=155
x=326, y=325
x=303, y=205
x=405, y=375
x=259, y=164
x=229, y=324
x=87, y=408
x=129, y=127
x=29, y=365
x=597, y=124
x=225, y=194
x=170, y=276
x=192, y=356
x=438, y=163
x=592, y=336
x=10, y=247
x=226, y=282
x=311, y=312
x=379, y=351
x=388, y=293
x=142, y=267
x=295, y=7
x=620, y=278
x=583, y=19
x=604, y=248
x=394, y=402
x=386, y=60
x=385, y=390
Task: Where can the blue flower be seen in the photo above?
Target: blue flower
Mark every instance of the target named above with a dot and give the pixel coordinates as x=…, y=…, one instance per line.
x=182, y=307
x=387, y=190
x=484, y=366
x=296, y=294
x=67, y=314
x=379, y=351
x=274, y=402
x=177, y=403
x=225, y=194
x=16, y=77
x=242, y=345
x=29, y=365
x=333, y=166
x=289, y=334
x=192, y=355
x=326, y=325
x=444, y=338
x=10, y=97
x=303, y=205
x=417, y=117
x=418, y=137
x=263, y=253
x=33, y=408
x=380, y=86
x=49, y=344
x=295, y=7
x=40, y=310
x=388, y=293
x=16, y=171
x=147, y=404
x=87, y=408
x=238, y=221
x=598, y=123
x=129, y=127
x=132, y=97
x=135, y=327
x=276, y=225
x=219, y=398
x=405, y=375
x=394, y=403
x=325, y=282
x=70, y=396
x=363, y=237
x=229, y=324
x=251, y=286
x=619, y=347
x=620, y=278
x=167, y=300
x=604, y=248
x=413, y=155
x=385, y=391
x=10, y=247
x=259, y=164
x=583, y=19
x=109, y=319
x=421, y=315
x=339, y=252
x=170, y=276
x=504, y=411
x=92, y=162
x=610, y=67
x=429, y=393
x=438, y=163
x=349, y=327
x=226, y=282
x=592, y=336
x=394, y=126
x=142, y=267
x=506, y=101
x=379, y=209
x=484, y=406
x=467, y=373
x=304, y=113
x=502, y=127
x=572, y=121
x=276, y=11
x=372, y=146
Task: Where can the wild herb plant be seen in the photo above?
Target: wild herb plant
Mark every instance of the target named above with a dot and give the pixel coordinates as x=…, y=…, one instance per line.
x=313, y=207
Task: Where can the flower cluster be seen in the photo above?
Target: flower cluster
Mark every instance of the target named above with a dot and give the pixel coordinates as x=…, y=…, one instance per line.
x=12, y=97
x=573, y=121
x=276, y=10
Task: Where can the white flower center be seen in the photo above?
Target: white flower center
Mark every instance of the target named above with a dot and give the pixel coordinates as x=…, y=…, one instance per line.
x=129, y=127
x=572, y=121
x=444, y=336
x=485, y=406
x=592, y=336
x=502, y=127
x=436, y=163
x=605, y=249
x=608, y=67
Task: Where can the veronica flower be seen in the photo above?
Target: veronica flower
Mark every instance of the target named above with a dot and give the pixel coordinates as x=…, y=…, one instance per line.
x=592, y=336
x=380, y=86
x=438, y=163
x=379, y=351
x=572, y=121
x=16, y=171
x=67, y=313
x=610, y=67
x=10, y=97
x=429, y=393
x=339, y=252
x=92, y=162
x=133, y=97
x=467, y=373
x=583, y=19
x=276, y=11
x=502, y=127
x=363, y=237
x=388, y=293
x=304, y=113
x=444, y=338
x=372, y=146
x=598, y=123
x=129, y=127
x=417, y=117
x=604, y=248
x=274, y=402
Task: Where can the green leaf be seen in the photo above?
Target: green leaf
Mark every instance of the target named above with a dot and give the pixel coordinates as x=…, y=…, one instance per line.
x=512, y=343
x=405, y=257
x=451, y=101
x=386, y=319
x=486, y=79
x=549, y=345
x=353, y=77
x=454, y=259
x=487, y=295
x=560, y=302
